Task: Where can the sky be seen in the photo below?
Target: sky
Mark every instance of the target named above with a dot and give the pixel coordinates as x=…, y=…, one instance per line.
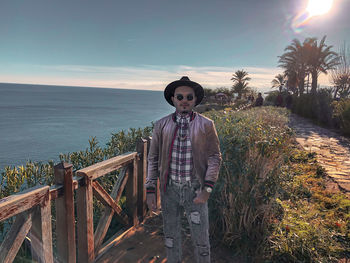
x=147, y=44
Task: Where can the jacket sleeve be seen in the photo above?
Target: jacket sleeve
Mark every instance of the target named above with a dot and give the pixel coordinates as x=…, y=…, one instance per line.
x=214, y=156
x=153, y=158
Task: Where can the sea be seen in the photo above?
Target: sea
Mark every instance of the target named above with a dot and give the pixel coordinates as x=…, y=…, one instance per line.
x=38, y=122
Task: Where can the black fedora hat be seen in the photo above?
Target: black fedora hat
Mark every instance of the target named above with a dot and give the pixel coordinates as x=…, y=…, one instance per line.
x=184, y=81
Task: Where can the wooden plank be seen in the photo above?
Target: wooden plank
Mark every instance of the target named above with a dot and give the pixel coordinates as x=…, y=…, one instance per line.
x=45, y=210
x=56, y=191
x=114, y=240
x=107, y=214
x=78, y=181
x=107, y=200
x=99, y=169
x=19, y=202
x=141, y=148
x=131, y=194
x=14, y=238
x=85, y=225
x=65, y=218
x=41, y=232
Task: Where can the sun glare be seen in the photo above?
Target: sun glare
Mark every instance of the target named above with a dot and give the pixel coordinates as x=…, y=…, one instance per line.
x=319, y=7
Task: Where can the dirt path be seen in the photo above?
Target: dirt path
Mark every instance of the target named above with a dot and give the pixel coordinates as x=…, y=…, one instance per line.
x=332, y=149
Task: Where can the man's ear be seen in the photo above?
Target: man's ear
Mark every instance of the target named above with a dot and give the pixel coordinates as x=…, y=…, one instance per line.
x=172, y=99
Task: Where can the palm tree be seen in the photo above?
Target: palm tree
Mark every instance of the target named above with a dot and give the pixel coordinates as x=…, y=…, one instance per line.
x=321, y=59
x=341, y=73
x=301, y=59
x=278, y=82
x=240, y=82
x=295, y=60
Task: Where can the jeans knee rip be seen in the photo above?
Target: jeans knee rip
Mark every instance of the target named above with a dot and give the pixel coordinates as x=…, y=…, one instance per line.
x=203, y=250
x=169, y=242
x=195, y=217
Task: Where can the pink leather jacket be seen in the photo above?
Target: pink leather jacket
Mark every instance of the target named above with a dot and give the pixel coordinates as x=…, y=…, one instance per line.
x=205, y=151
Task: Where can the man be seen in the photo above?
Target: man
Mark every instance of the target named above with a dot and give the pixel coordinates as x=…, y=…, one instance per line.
x=185, y=154
x=259, y=100
x=279, y=100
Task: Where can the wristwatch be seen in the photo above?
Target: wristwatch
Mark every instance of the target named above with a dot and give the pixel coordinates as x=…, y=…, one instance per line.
x=208, y=189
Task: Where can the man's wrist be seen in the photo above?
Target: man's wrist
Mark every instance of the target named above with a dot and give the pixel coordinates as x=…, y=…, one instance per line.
x=208, y=186
x=208, y=189
x=150, y=190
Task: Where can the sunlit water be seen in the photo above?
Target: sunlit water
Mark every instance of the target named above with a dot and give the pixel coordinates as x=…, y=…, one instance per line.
x=39, y=122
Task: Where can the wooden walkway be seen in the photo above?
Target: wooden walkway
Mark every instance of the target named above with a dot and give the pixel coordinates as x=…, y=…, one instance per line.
x=145, y=244
x=142, y=244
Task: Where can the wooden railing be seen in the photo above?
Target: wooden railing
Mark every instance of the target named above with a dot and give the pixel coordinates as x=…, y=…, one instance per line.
x=244, y=106
x=32, y=209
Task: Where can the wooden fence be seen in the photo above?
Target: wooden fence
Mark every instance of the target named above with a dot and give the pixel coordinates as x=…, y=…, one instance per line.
x=32, y=209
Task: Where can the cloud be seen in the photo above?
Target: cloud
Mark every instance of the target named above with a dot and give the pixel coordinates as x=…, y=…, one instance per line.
x=145, y=77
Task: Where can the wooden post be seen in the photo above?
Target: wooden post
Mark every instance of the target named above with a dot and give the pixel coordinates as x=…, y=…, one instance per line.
x=65, y=220
x=149, y=139
x=41, y=232
x=85, y=224
x=141, y=148
x=131, y=194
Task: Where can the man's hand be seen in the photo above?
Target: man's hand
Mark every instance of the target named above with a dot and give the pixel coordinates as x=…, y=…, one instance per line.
x=201, y=197
x=151, y=202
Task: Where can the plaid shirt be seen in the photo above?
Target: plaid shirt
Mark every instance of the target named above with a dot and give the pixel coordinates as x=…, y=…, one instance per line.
x=181, y=163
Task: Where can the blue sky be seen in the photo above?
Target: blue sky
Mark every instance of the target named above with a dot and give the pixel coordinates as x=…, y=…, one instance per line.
x=147, y=44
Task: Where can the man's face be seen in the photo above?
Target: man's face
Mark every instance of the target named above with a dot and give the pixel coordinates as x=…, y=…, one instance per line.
x=182, y=99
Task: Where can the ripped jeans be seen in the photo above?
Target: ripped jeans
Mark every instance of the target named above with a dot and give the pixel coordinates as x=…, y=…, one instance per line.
x=176, y=199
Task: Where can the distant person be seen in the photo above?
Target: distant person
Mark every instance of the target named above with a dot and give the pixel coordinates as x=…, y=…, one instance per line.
x=185, y=155
x=259, y=100
x=289, y=101
x=279, y=100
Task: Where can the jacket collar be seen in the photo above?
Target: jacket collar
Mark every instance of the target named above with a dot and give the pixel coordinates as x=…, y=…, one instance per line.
x=192, y=116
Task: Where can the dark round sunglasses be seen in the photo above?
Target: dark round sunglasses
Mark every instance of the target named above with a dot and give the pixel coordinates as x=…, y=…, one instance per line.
x=181, y=97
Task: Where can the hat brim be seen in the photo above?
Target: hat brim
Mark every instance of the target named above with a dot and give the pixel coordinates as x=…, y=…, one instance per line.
x=170, y=89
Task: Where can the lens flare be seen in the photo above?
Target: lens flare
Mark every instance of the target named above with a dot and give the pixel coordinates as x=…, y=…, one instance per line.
x=314, y=8
x=318, y=7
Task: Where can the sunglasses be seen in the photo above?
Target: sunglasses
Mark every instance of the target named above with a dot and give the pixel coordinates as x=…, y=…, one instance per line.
x=181, y=97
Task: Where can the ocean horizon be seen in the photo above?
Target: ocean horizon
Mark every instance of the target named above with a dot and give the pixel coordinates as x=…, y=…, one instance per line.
x=38, y=122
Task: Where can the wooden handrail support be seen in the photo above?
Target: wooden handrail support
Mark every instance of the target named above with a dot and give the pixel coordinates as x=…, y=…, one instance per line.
x=134, y=165
x=65, y=219
x=33, y=213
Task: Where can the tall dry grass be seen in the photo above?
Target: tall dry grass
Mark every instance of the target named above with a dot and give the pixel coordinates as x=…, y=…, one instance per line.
x=254, y=144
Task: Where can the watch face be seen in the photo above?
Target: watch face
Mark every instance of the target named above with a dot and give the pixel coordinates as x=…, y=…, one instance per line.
x=208, y=189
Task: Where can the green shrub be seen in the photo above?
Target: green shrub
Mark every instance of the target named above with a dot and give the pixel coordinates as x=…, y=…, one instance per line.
x=342, y=114
x=16, y=179
x=315, y=106
x=271, y=98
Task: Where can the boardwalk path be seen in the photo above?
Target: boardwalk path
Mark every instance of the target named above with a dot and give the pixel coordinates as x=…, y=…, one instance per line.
x=145, y=244
x=332, y=149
